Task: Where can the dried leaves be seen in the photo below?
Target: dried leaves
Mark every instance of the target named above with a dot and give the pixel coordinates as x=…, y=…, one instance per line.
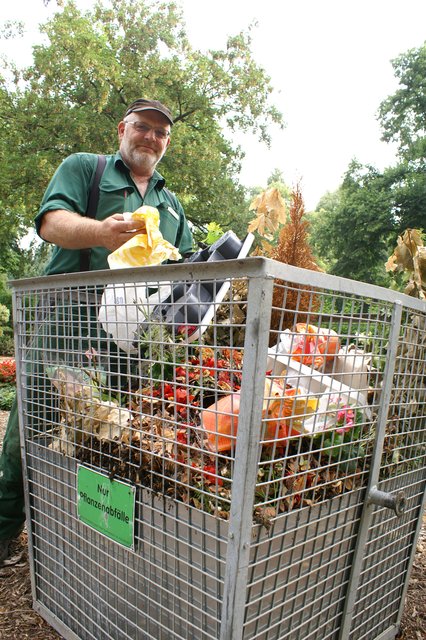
x=410, y=256
x=270, y=213
x=83, y=411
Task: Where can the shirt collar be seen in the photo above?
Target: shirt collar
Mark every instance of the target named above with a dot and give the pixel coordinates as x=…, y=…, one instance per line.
x=156, y=181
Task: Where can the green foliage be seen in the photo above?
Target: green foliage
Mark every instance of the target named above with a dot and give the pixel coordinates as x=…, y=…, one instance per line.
x=321, y=223
x=403, y=117
x=91, y=67
x=403, y=114
x=5, y=292
x=214, y=232
x=353, y=228
x=407, y=183
x=7, y=344
x=6, y=330
x=7, y=396
x=4, y=317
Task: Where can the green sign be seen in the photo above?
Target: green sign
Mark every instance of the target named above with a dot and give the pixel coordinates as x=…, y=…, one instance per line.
x=106, y=505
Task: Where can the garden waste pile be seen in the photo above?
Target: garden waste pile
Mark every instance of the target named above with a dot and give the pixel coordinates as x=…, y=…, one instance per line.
x=177, y=433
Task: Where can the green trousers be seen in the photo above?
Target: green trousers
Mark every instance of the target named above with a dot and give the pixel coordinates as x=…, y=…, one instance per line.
x=12, y=511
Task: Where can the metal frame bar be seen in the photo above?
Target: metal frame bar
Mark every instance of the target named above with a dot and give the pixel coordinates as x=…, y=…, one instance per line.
x=248, y=267
x=237, y=561
x=373, y=476
x=412, y=557
x=18, y=320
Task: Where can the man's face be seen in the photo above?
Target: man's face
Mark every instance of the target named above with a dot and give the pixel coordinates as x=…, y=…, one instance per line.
x=142, y=150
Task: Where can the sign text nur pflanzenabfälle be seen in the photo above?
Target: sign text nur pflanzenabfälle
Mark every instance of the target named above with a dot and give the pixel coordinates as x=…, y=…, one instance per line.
x=111, y=511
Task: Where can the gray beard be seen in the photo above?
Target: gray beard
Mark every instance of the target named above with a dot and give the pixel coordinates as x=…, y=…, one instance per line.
x=142, y=160
x=138, y=160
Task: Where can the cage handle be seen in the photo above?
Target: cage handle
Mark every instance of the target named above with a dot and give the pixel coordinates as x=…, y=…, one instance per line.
x=395, y=501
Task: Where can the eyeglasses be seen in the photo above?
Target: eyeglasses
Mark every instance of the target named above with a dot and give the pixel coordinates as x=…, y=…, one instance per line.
x=142, y=128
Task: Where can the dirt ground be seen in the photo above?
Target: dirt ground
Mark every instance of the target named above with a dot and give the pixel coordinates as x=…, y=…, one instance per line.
x=18, y=621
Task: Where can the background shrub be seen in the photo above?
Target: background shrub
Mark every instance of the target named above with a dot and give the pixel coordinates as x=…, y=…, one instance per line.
x=7, y=396
x=8, y=371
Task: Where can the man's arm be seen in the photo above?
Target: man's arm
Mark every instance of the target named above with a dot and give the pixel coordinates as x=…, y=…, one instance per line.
x=70, y=230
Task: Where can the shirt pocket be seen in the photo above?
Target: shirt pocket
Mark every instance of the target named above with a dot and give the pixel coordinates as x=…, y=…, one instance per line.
x=169, y=222
x=113, y=202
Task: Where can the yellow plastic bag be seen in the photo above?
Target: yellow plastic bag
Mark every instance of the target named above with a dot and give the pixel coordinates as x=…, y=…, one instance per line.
x=148, y=247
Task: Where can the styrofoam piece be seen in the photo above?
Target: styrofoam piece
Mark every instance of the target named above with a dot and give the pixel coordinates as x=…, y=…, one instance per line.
x=300, y=375
x=350, y=366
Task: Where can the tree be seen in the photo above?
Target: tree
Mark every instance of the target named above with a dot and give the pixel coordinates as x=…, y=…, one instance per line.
x=322, y=223
x=366, y=225
x=293, y=248
x=407, y=184
x=93, y=65
x=403, y=114
x=403, y=120
x=355, y=227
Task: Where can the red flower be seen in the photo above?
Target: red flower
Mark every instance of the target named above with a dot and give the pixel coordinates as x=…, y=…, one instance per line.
x=182, y=436
x=209, y=473
x=168, y=391
x=182, y=395
x=194, y=376
x=183, y=411
x=186, y=329
x=222, y=364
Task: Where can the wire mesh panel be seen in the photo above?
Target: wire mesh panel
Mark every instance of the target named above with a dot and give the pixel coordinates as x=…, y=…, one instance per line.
x=211, y=451
x=390, y=544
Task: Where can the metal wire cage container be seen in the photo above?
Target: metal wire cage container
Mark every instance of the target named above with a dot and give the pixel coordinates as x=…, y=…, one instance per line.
x=229, y=450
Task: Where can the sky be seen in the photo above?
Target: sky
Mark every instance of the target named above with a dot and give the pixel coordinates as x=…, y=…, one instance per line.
x=330, y=65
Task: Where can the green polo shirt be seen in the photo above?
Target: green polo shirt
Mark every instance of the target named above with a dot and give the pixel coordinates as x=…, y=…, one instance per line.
x=70, y=187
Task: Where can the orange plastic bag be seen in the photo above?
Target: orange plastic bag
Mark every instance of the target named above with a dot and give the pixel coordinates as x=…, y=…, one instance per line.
x=283, y=411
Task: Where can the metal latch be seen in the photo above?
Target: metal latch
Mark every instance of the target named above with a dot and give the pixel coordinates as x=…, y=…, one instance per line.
x=395, y=501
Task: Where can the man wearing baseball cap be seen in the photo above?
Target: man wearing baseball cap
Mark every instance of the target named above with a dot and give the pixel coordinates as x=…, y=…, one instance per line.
x=83, y=238
x=129, y=180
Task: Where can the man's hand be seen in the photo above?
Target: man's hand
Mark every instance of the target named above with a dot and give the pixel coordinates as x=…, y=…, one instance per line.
x=116, y=231
x=70, y=230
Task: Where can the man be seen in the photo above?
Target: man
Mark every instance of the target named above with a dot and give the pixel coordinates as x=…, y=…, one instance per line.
x=129, y=180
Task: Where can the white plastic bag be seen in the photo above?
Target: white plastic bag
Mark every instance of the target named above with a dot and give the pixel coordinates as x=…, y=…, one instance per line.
x=125, y=307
